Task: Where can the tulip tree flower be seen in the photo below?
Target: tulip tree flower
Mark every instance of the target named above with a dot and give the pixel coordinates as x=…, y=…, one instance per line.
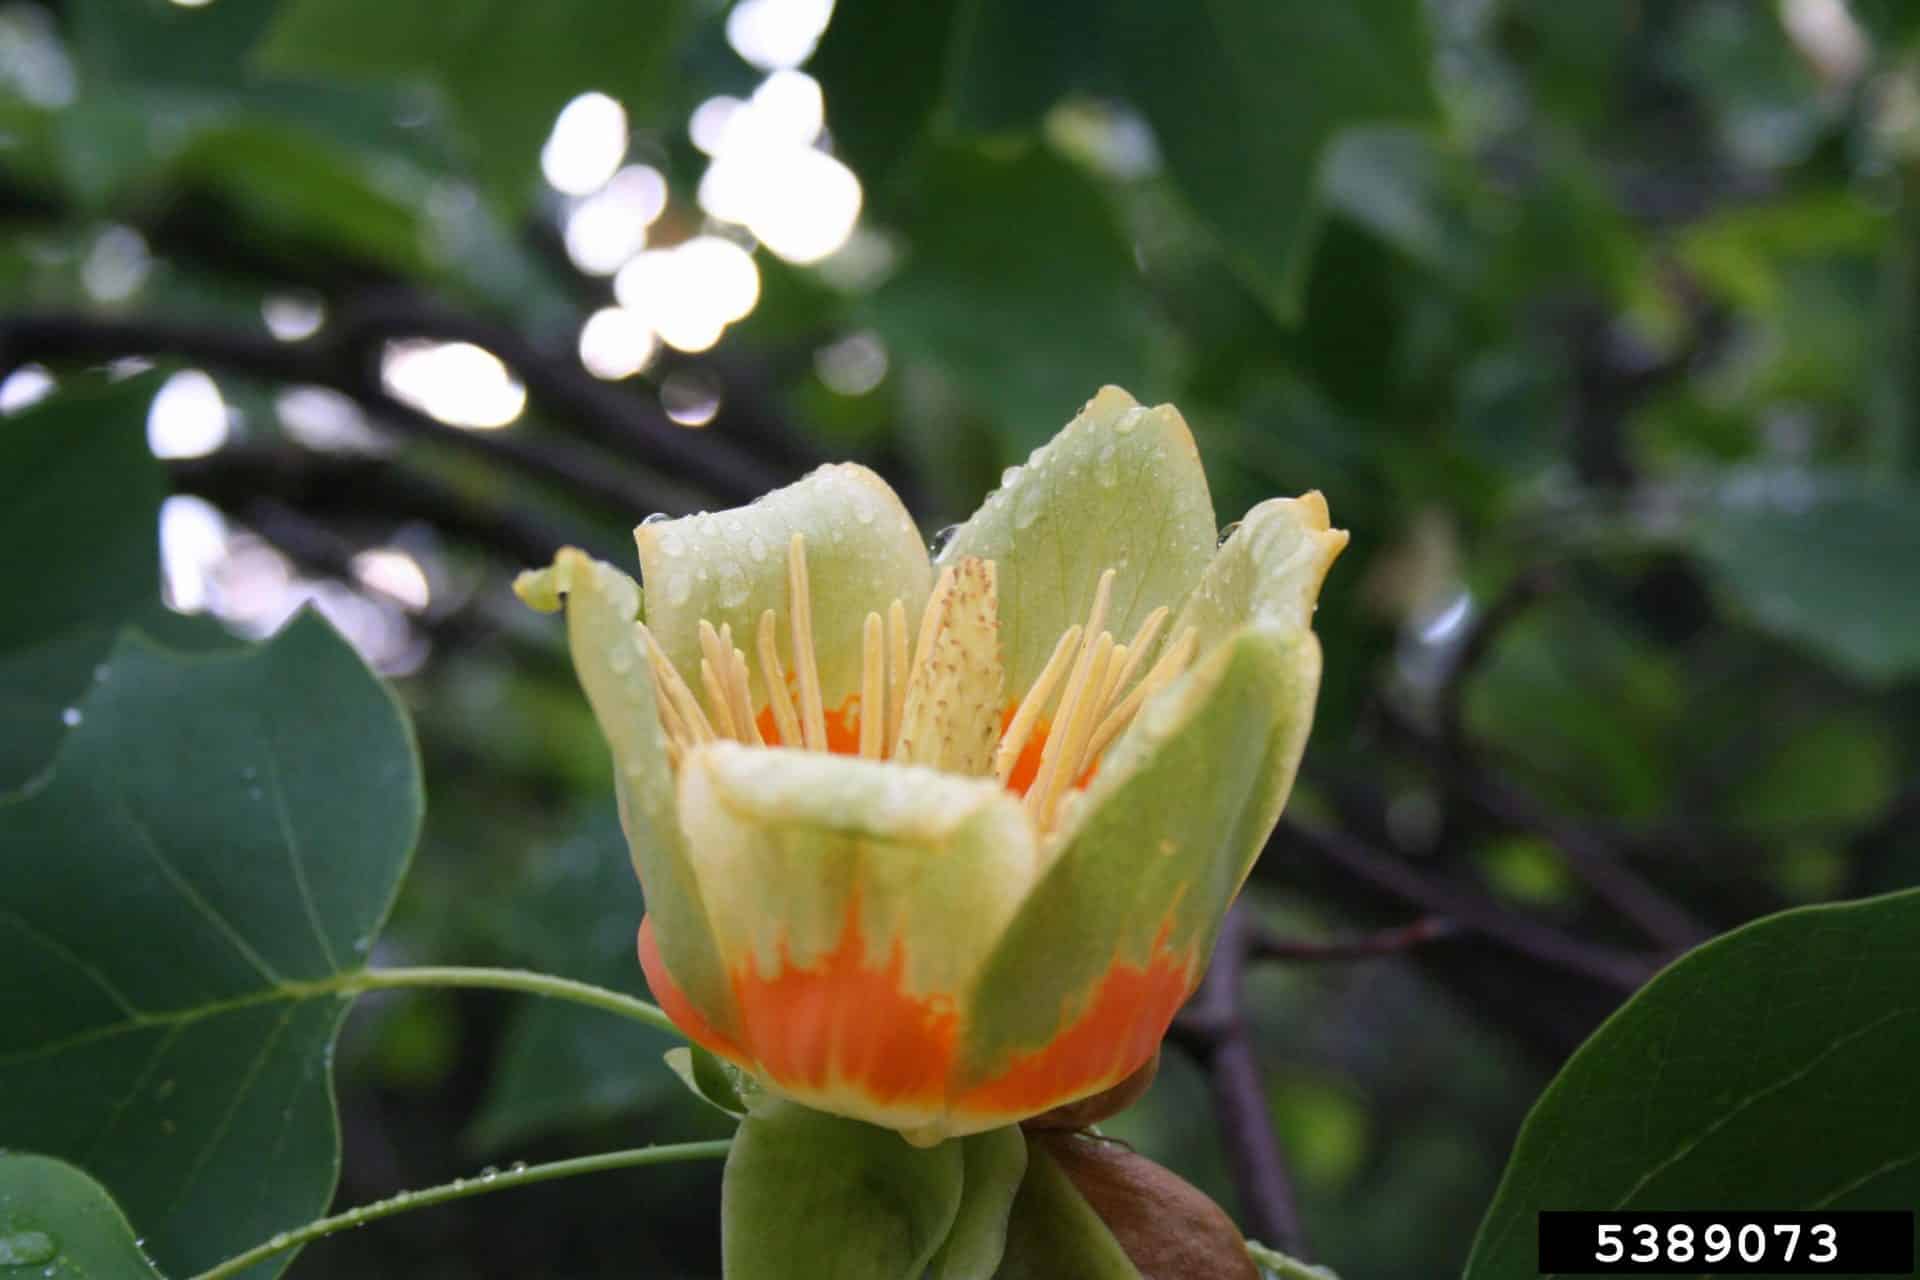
x=944, y=844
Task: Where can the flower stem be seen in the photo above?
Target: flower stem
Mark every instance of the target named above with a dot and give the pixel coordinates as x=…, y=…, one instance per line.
x=460, y=1188
x=539, y=984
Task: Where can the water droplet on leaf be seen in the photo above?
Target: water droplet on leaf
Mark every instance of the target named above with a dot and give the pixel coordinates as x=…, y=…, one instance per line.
x=27, y=1248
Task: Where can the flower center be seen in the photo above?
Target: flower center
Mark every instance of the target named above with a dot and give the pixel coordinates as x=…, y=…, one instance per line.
x=939, y=705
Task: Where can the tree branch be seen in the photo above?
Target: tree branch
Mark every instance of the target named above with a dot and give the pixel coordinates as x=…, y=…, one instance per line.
x=1213, y=1028
x=344, y=356
x=1267, y=945
x=1470, y=910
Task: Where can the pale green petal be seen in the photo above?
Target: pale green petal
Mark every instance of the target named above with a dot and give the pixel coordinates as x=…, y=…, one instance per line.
x=601, y=605
x=1152, y=854
x=1120, y=488
x=1267, y=573
x=863, y=552
x=790, y=843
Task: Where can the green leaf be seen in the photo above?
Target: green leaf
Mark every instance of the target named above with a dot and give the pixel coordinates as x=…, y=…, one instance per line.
x=56, y=1221
x=194, y=887
x=79, y=554
x=1054, y=1233
x=1824, y=560
x=994, y=1164
x=880, y=63
x=1243, y=95
x=562, y=1065
x=1771, y=1068
x=505, y=68
x=1067, y=313
x=802, y=1184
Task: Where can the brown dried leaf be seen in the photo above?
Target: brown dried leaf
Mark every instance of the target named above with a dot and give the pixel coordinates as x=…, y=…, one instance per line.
x=1167, y=1226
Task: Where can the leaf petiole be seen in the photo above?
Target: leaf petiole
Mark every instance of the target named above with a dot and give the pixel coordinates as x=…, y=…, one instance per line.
x=460, y=1188
x=524, y=980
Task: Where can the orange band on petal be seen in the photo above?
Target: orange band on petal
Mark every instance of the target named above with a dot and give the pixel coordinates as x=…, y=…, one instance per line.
x=675, y=1003
x=1116, y=1035
x=841, y=1025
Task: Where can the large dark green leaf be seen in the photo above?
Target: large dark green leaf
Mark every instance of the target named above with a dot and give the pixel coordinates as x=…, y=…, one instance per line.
x=1243, y=96
x=578, y=916
x=79, y=553
x=1824, y=560
x=193, y=888
x=56, y=1221
x=505, y=68
x=881, y=65
x=1018, y=284
x=1771, y=1068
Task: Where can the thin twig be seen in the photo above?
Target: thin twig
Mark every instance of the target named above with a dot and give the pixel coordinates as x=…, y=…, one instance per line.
x=1213, y=1028
x=1469, y=909
x=342, y=357
x=1267, y=945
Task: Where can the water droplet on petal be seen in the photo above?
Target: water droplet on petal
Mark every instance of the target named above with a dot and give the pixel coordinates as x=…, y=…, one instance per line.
x=620, y=658
x=1228, y=532
x=942, y=538
x=1128, y=421
x=757, y=548
x=733, y=586
x=679, y=588
x=1009, y=477
x=1026, y=514
x=671, y=543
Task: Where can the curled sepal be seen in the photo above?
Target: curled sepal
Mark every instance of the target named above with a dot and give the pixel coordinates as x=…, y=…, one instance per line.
x=809, y=1193
x=602, y=605
x=994, y=1164
x=716, y=1082
x=1119, y=488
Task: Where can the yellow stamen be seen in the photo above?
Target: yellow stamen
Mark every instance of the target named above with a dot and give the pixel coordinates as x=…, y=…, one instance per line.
x=1014, y=741
x=930, y=617
x=700, y=728
x=1141, y=645
x=717, y=700
x=740, y=696
x=896, y=672
x=773, y=674
x=1050, y=762
x=813, y=715
x=1115, y=669
x=1171, y=664
x=715, y=668
x=873, y=688
x=1074, y=728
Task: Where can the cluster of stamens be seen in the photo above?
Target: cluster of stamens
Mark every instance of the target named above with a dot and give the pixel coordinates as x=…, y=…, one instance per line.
x=1099, y=698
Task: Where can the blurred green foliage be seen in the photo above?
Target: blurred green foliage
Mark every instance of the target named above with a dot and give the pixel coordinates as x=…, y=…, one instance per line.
x=1626, y=294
